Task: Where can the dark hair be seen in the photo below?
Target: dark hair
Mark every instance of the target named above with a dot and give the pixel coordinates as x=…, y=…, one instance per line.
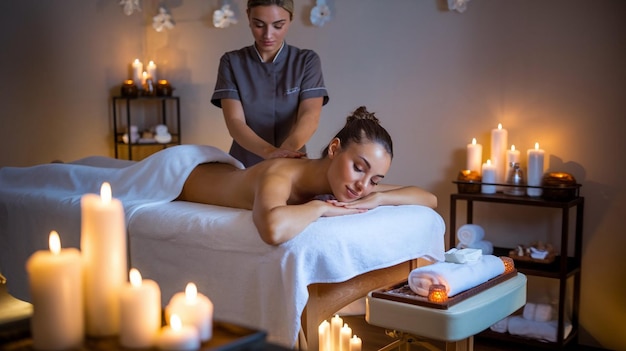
x=362, y=126
x=285, y=4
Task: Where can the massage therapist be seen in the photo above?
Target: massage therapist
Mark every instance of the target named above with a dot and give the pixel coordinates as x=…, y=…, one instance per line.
x=271, y=93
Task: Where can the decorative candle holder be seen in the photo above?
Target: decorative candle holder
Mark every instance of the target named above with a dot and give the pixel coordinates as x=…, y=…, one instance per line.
x=129, y=89
x=164, y=88
x=515, y=176
x=148, y=87
x=466, y=179
x=509, y=264
x=559, y=186
x=437, y=293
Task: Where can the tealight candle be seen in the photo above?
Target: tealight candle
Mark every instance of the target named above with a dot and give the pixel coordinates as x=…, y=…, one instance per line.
x=140, y=312
x=178, y=337
x=55, y=279
x=474, y=156
x=489, y=176
x=194, y=309
x=437, y=293
x=103, y=245
x=535, y=170
x=499, y=138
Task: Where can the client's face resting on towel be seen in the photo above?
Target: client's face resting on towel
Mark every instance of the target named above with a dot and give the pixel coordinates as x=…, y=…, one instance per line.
x=282, y=192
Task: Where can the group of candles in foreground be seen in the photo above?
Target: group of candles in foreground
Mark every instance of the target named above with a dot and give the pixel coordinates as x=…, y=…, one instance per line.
x=85, y=292
x=494, y=171
x=337, y=336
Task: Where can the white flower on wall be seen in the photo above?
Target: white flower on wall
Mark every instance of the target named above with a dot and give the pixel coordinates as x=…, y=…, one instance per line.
x=458, y=5
x=320, y=13
x=162, y=21
x=224, y=17
x=130, y=6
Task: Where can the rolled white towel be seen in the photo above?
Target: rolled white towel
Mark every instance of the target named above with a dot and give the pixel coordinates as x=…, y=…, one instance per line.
x=543, y=312
x=469, y=234
x=537, y=330
x=455, y=277
x=529, y=311
x=484, y=245
x=501, y=326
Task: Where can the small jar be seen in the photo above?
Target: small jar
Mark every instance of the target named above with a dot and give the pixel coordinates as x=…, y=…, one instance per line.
x=163, y=88
x=129, y=89
x=515, y=177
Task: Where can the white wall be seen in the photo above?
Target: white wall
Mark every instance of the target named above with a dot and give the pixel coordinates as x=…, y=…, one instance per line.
x=550, y=71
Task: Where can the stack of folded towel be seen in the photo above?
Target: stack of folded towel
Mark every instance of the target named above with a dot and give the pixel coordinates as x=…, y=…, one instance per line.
x=471, y=236
x=455, y=277
x=535, y=322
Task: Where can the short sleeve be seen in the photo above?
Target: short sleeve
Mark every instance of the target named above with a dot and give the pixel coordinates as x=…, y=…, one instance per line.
x=225, y=86
x=313, y=81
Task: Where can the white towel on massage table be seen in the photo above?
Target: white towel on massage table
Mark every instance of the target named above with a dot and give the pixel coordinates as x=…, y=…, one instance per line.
x=456, y=277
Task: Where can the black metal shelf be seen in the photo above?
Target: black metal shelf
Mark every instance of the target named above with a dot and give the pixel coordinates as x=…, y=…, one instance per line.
x=126, y=101
x=563, y=267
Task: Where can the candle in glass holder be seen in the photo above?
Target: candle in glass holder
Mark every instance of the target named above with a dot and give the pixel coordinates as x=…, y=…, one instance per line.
x=509, y=264
x=437, y=293
x=465, y=180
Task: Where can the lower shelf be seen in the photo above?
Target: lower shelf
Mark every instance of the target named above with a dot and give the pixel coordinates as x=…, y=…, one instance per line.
x=534, y=343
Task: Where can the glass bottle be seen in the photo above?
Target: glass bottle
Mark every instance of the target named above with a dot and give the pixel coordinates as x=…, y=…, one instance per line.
x=515, y=177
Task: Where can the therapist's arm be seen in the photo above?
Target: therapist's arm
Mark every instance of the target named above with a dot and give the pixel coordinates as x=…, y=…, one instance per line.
x=308, y=119
x=245, y=136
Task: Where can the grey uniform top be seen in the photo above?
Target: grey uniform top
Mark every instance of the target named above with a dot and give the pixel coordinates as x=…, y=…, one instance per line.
x=270, y=92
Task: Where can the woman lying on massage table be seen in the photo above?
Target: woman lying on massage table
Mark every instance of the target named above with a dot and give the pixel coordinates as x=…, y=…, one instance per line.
x=281, y=192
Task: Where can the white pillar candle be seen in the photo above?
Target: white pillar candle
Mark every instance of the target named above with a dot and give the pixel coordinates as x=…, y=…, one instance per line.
x=55, y=279
x=535, y=170
x=193, y=309
x=152, y=73
x=489, y=176
x=344, y=337
x=499, y=143
x=178, y=337
x=103, y=244
x=140, y=311
x=335, y=331
x=137, y=73
x=355, y=343
x=323, y=332
x=474, y=156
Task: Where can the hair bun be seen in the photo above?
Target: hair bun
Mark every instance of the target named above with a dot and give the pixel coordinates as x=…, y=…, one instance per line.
x=362, y=113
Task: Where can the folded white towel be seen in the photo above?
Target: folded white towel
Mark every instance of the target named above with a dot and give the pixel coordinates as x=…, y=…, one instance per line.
x=501, y=326
x=543, y=313
x=469, y=234
x=455, y=277
x=546, y=331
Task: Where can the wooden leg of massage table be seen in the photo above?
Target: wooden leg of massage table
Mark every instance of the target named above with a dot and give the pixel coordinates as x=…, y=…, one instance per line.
x=461, y=345
x=326, y=299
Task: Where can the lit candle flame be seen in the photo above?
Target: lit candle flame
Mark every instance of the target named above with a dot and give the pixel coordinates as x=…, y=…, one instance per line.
x=512, y=147
x=499, y=125
x=191, y=292
x=175, y=322
x=537, y=146
x=54, y=242
x=489, y=162
x=474, y=141
x=135, y=277
x=105, y=192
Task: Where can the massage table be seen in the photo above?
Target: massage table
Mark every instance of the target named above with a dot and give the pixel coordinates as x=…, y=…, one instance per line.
x=286, y=290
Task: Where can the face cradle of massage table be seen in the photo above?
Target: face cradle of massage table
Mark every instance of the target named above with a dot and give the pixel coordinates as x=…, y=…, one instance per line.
x=462, y=320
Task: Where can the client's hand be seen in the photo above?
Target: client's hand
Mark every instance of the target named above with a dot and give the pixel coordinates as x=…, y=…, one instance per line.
x=365, y=203
x=334, y=208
